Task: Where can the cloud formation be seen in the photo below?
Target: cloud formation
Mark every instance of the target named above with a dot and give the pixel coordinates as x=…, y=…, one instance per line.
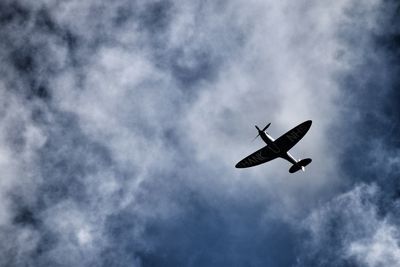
x=351, y=230
x=121, y=124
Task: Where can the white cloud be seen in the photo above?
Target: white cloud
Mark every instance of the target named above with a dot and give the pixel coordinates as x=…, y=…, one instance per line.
x=270, y=62
x=378, y=248
x=350, y=228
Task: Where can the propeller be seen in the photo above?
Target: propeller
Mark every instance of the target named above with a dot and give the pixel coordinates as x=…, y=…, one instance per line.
x=255, y=138
x=258, y=129
x=265, y=128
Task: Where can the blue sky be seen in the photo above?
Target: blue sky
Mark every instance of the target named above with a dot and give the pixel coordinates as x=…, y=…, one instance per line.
x=122, y=121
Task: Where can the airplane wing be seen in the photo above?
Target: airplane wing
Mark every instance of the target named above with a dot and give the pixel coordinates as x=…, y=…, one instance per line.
x=289, y=139
x=260, y=156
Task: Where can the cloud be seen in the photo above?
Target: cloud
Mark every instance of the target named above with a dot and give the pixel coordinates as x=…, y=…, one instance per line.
x=122, y=123
x=381, y=249
x=350, y=229
x=359, y=227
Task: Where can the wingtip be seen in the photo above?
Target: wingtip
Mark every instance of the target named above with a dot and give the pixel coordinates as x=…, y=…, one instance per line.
x=239, y=165
x=307, y=123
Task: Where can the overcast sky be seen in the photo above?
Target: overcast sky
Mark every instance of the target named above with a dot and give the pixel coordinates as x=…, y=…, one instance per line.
x=121, y=123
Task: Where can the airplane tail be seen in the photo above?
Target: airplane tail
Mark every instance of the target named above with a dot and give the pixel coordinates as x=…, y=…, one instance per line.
x=300, y=165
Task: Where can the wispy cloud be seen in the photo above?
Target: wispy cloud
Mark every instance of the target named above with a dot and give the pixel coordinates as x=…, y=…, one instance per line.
x=351, y=229
x=121, y=124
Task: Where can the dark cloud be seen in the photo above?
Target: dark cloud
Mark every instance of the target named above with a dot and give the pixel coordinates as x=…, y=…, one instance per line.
x=369, y=134
x=119, y=127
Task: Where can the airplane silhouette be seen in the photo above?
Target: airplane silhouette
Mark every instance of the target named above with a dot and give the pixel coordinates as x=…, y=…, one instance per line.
x=278, y=148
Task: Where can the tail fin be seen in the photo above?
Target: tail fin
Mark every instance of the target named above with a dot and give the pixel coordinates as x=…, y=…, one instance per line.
x=300, y=165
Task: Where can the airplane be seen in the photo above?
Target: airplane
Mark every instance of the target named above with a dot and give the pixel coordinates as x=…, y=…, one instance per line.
x=278, y=148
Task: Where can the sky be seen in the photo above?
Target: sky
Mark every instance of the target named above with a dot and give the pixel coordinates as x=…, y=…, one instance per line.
x=121, y=123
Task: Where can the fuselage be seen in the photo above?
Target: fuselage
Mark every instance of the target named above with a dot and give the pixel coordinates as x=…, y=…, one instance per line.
x=266, y=138
x=269, y=140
